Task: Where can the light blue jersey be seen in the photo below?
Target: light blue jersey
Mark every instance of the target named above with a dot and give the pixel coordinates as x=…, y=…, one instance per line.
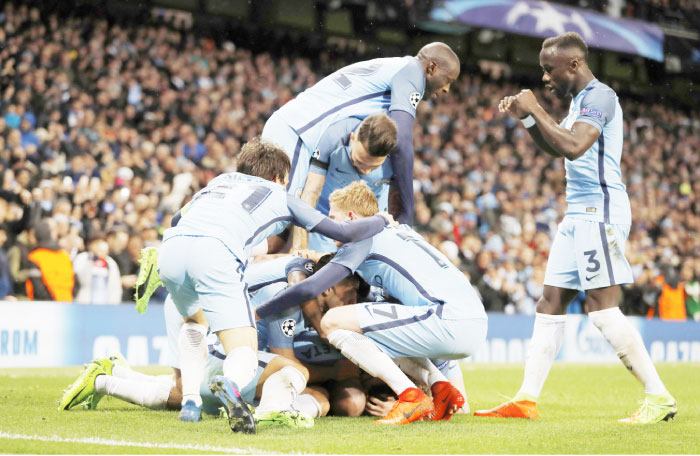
x=358, y=90
x=333, y=160
x=240, y=211
x=594, y=188
x=265, y=280
x=414, y=272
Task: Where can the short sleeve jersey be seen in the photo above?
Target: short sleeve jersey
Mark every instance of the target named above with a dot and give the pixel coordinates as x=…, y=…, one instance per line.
x=594, y=187
x=411, y=270
x=242, y=210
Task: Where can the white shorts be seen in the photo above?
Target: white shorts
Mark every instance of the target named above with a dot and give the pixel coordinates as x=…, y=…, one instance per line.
x=588, y=254
x=277, y=130
x=420, y=331
x=200, y=272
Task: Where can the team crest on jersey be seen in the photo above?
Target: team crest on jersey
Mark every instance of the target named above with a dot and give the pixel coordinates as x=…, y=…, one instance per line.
x=591, y=112
x=288, y=326
x=414, y=99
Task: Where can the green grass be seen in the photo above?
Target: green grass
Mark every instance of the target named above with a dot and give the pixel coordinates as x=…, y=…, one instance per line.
x=580, y=406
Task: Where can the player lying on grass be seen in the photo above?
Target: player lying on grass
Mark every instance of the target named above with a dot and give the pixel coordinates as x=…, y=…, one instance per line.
x=588, y=252
x=213, y=238
x=440, y=314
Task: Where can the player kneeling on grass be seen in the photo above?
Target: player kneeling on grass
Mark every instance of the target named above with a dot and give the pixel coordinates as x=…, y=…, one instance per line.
x=440, y=314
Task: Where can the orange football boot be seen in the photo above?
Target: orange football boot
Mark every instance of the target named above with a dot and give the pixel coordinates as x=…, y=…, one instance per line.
x=446, y=401
x=512, y=409
x=413, y=405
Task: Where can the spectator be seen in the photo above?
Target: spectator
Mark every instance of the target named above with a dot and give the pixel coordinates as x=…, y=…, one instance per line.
x=97, y=274
x=5, y=275
x=50, y=275
x=671, y=304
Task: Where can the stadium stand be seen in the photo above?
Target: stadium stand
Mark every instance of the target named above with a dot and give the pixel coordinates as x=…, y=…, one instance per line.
x=109, y=128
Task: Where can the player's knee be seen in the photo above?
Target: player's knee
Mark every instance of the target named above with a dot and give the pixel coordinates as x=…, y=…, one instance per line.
x=282, y=362
x=330, y=322
x=549, y=304
x=348, y=401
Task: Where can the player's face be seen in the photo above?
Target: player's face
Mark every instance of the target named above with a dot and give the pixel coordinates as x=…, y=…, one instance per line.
x=363, y=162
x=439, y=82
x=557, y=76
x=346, y=291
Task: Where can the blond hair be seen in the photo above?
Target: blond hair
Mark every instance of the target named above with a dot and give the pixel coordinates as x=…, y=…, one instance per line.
x=356, y=197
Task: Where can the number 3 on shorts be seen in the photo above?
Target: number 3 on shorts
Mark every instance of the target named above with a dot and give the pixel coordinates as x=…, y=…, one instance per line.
x=594, y=264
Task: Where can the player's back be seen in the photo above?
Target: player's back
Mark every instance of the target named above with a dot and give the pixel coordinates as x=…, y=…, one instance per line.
x=360, y=90
x=416, y=273
x=594, y=187
x=238, y=209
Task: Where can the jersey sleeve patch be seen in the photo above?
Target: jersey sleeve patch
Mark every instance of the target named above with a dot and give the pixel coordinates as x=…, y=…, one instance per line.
x=591, y=112
x=414, y=99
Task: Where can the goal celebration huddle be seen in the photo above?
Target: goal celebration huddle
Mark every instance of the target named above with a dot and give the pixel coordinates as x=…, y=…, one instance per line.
x=298, y=280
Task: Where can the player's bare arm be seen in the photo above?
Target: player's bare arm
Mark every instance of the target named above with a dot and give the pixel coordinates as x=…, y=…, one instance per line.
x=570, y=144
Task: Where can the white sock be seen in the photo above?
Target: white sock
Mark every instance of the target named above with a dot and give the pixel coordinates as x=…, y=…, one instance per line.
x=308, y=404
x=434, y=374
x=280, y=389
x=414, y=371
x=362, y=351
x=129, y=374
x=193, y=352
x=547, y=337
x=153, y=395
x=240, y=366
x=628, y=345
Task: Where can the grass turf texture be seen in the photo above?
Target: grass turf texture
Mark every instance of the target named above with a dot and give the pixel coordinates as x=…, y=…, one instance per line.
x=580, y=406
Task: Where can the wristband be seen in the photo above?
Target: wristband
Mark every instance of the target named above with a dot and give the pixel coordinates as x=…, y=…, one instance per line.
x=528, y=121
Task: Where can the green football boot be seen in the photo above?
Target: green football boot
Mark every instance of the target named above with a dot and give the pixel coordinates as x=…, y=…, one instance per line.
x=82, y=389
x=107, y=365
x=654, y=408
x=148, y=279
x=286, y=418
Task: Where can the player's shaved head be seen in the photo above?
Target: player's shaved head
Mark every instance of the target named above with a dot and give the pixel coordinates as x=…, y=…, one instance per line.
x=440, y=53
x=441, y=67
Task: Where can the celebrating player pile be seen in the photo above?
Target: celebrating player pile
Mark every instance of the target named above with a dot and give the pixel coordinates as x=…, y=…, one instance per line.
x=335, y=138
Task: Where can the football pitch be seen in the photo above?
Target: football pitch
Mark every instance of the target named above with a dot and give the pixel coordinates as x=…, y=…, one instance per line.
x=580, y=406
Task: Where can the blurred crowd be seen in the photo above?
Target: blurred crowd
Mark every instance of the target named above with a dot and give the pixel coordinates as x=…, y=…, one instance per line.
x=106, y=130
x=679, y=13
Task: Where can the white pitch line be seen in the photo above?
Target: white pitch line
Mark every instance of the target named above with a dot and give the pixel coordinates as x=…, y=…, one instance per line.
x=98, y=441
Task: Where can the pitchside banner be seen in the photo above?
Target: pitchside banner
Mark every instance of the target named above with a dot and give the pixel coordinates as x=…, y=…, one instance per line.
x=45, y=334
x=543, y=19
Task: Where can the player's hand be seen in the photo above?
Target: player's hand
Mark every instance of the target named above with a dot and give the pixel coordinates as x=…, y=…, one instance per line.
x=379, y=406
x=523, y=104
x=389, y=218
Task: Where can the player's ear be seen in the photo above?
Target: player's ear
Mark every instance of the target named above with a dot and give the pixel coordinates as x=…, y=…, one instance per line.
x=352, y=215
x=574, y=64
x=432, y=68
